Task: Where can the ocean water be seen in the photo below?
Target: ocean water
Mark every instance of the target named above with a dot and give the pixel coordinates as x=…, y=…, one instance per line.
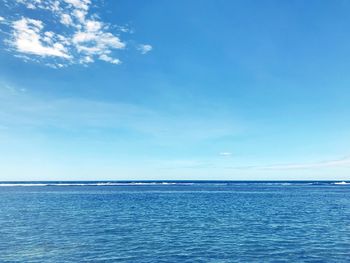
x=175, y=222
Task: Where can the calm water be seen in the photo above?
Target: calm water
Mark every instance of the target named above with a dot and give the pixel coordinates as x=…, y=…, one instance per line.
x=180, y=222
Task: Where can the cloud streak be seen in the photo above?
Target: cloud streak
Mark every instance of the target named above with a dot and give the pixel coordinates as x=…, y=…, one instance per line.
x=225, y=154
x=343, y=162
x=18, y=108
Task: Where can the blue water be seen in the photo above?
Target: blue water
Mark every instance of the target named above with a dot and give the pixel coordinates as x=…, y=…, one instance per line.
x=175, y=222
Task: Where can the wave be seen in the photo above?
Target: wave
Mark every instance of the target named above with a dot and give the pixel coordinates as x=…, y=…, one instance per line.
x=171, y=183
x=91, y=184
x=9, y=184
x=342, y=183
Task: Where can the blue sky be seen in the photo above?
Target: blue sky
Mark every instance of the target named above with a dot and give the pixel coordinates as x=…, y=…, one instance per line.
x=127, y=90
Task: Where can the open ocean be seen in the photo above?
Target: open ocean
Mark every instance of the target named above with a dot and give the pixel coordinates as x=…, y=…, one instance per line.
x=173, y=221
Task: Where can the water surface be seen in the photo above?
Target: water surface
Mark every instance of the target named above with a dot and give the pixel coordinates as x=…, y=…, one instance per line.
x=174, y=222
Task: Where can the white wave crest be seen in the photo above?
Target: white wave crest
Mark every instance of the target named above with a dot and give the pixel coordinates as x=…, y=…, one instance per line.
x=341, y=183
x=92, y=184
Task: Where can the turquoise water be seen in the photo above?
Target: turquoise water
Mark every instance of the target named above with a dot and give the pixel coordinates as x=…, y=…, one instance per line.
x=175, y=222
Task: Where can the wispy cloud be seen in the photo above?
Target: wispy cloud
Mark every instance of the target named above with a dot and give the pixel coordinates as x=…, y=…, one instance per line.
x=70, y=33
x=20, y=108
x=342, y=162
x=225, y=153
x=327, y=163
x=144, y=49
x=223, y=167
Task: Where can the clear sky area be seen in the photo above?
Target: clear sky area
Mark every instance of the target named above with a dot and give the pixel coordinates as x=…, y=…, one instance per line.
x=174, y=90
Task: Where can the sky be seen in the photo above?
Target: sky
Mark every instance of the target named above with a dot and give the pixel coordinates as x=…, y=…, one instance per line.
x=174, y=90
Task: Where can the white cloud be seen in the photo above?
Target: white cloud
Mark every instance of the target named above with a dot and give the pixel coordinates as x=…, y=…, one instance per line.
x=225, y=153
x=87, y=59
x=144, y=48
x=66, y=20
x=96, y=42
x=106, y=58
x=80, y=15
x=80, y=4
x=28, y=37
x=93, y=26
x=2, y=19
x=70, y=34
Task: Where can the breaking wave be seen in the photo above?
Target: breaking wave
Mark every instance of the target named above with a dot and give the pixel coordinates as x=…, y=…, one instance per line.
x=174, y=183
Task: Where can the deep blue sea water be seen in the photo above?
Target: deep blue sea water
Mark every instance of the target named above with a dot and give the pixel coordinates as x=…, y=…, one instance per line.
x=174, y=222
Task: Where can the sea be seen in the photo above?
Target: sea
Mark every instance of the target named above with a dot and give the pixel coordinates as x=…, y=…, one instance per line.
x=175, y=221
